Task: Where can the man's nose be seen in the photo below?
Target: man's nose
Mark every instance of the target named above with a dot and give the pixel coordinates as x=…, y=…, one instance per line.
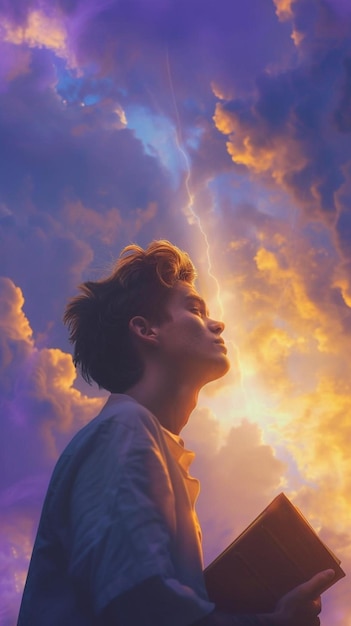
x=217, y=327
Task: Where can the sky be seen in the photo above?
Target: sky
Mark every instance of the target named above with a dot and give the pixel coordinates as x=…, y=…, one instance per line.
x=223, y=126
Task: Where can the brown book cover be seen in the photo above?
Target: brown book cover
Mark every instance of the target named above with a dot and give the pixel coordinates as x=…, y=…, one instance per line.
x=278, y=551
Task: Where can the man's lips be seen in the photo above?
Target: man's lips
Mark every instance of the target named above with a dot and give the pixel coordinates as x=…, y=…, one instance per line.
x=221, y=343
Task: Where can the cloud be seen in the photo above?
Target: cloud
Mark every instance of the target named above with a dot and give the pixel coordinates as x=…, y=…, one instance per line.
x=291, y=131
x=12, y=319
x=156, y=42
x=239, y=474
x=88, y=222
x=40, y=30
x=75, y=188
x=323, y=419
x=14, y=62
x=97, y=102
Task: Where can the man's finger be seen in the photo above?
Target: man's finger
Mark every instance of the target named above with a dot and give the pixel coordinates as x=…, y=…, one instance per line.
x=313, y=587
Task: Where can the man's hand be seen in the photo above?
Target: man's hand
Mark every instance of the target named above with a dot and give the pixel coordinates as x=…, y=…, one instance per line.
x=302, y=605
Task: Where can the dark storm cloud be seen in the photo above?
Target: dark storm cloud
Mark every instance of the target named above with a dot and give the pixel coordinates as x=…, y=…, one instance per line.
x=59, y=150
x=293, y=108
x=54, y=157
x=141, y=42
x=292, y=131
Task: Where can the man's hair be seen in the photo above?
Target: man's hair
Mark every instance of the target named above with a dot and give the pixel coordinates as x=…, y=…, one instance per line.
x=98, y=318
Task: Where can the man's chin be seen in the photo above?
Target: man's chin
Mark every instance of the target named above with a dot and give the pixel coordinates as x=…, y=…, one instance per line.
x=220, y=369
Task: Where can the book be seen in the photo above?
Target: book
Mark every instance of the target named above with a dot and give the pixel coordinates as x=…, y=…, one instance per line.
x=278, y=551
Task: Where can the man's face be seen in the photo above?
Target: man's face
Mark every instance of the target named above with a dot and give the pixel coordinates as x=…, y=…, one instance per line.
x=190, y=341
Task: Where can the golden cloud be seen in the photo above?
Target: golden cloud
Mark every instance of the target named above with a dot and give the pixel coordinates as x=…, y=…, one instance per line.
x=321, y=431
x=288, y=279
x=62, y=408
x=284, y=9
x=259, y=151
x=13, y=322
x=47, y=376
x=40, y=31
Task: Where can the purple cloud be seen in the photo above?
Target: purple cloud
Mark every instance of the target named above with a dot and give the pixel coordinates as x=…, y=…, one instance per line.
x=125, y=121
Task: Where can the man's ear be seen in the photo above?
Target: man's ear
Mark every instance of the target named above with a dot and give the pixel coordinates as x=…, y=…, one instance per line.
x=141, y=328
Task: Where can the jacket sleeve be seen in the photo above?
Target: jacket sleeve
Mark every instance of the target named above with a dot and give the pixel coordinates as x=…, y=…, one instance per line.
x=133, y=603
x=122, y=523
x=218, y=618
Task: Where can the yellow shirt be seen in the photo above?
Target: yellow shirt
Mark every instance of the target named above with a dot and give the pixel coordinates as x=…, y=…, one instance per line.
x=184, y=458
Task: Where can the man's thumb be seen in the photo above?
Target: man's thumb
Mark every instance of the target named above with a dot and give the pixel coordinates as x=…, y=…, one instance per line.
x=318, y=583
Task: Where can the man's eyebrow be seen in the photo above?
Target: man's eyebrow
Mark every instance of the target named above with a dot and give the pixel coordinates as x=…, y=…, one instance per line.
x=200, y=301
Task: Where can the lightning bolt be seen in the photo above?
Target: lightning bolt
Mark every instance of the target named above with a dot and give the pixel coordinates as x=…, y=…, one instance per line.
x=193, y=217
x=190, y=211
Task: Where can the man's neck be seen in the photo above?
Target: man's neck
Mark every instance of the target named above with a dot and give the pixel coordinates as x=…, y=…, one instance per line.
x=171, y=403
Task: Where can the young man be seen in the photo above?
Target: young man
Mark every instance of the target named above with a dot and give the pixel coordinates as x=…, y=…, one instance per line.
x=119, y=543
